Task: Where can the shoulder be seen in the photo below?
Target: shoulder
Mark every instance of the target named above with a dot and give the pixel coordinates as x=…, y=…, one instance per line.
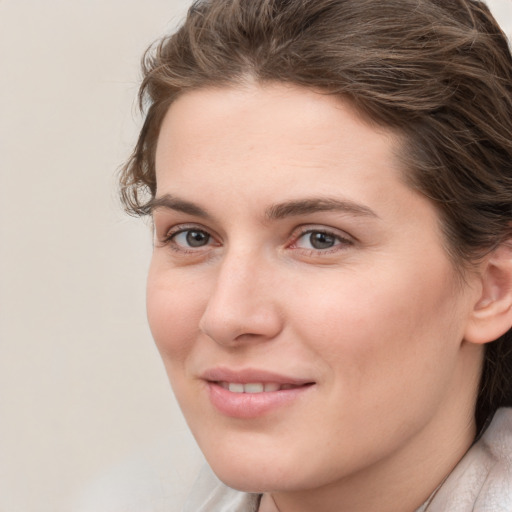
x=482, y=481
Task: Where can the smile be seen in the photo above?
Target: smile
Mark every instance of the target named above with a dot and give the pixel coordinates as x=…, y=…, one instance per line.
x=252, y=399
x=255, y=387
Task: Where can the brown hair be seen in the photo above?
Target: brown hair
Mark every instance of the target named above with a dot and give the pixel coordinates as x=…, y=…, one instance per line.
x=438, y=72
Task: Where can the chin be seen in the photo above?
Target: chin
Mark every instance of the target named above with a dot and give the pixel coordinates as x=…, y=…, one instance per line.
x=244, y=472
x=255, y=472
x=253, y=481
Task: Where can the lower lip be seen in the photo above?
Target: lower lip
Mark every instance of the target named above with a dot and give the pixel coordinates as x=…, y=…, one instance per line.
x=252, y=405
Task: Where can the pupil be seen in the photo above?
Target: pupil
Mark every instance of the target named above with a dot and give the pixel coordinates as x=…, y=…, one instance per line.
x=321, y=240
x=197, y=238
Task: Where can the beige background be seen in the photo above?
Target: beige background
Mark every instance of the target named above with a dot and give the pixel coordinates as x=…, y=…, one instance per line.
x=87, y=420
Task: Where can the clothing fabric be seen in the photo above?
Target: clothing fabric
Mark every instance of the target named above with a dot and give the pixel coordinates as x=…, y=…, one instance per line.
x=481, y=482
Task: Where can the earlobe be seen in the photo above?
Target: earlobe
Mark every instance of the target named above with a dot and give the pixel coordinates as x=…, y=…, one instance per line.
x=491, y=316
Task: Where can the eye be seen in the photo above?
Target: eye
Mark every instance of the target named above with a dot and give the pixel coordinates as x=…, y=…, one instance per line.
x=317, y=240
x=191, y=238
x=320, y=240
x=188, y=239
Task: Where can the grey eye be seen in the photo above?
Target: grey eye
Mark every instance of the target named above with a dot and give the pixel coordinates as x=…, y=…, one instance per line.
x=319, y=240
x=197, y=238
x=193, y=238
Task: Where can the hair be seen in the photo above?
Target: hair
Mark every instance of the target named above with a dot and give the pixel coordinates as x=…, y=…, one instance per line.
x=437, y=72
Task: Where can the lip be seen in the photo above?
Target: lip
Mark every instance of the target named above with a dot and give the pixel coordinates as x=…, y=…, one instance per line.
x=252, y=405
x=249, y=375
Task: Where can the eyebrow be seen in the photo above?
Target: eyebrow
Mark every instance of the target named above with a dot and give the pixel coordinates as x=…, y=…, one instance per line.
x=278, y=211
x=170, y=202
x=317, y=204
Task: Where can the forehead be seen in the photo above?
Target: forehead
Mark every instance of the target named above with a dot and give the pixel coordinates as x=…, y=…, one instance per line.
x=260, y=106
x=264, y=130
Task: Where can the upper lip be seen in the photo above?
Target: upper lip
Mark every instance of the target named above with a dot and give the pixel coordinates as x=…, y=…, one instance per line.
x=250, y=375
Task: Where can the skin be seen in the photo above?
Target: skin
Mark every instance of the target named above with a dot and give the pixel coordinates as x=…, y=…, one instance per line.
x=378, y=320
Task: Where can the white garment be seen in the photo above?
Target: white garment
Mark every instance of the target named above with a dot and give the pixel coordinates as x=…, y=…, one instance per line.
x=481, y=482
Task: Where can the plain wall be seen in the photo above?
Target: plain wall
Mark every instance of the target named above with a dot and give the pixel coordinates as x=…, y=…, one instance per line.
x=82, y=387
x=87, y=418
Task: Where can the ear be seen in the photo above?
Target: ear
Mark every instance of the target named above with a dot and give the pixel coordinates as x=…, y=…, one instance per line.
x=491, y=315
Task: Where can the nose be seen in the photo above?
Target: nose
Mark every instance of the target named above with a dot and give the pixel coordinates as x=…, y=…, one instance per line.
x=243, y=305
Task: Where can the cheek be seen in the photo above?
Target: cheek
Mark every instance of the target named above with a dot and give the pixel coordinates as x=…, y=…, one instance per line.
x=174, y=310
x=391, y=328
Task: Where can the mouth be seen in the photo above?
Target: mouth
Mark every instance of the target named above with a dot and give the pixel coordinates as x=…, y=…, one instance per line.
x=249, y=394
x=258, y=387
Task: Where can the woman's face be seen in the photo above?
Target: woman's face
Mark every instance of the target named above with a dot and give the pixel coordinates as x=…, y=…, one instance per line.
x=292, y=263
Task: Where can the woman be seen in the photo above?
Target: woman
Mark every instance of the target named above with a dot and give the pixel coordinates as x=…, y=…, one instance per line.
x=330, y=183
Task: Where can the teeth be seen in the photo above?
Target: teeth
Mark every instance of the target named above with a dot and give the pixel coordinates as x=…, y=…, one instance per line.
x=235, y=388
x=255, y=387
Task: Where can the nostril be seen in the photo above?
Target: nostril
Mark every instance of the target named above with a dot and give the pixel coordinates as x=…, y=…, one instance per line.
x=247, y=336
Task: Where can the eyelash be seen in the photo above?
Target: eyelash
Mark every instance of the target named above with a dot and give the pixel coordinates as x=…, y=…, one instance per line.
x=340, y=242
x=170, y=238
